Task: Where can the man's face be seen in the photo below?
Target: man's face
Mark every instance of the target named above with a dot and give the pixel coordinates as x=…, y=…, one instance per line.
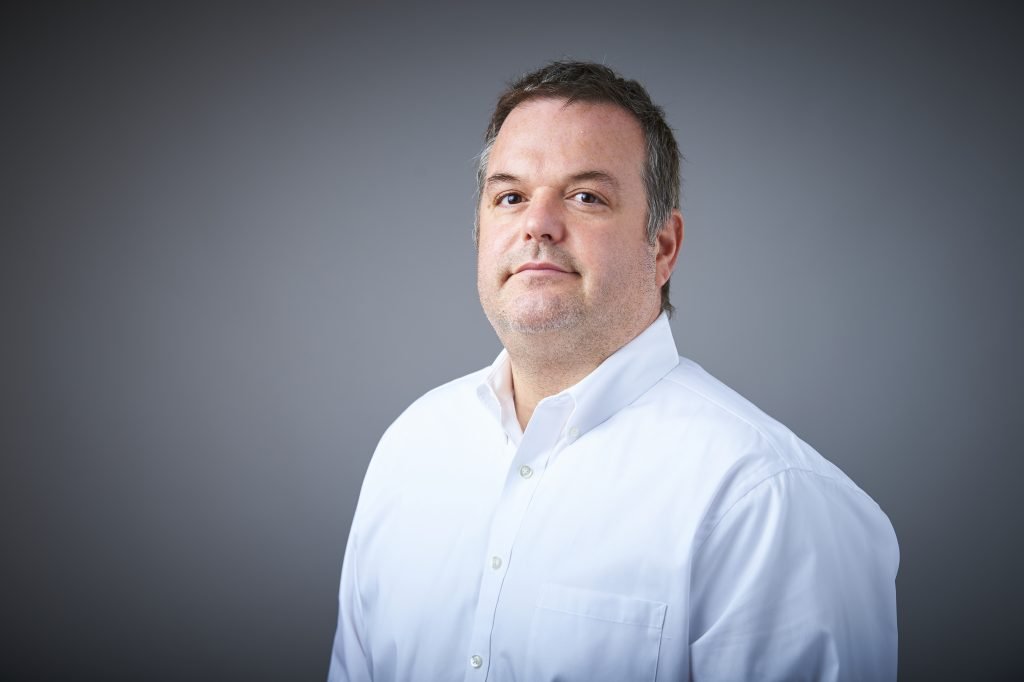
x=562, y=218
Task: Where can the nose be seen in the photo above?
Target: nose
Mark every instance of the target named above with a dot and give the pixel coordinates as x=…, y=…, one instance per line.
x=544, y=219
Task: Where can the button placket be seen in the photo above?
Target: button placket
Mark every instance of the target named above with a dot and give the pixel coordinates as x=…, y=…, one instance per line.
x=531, y=454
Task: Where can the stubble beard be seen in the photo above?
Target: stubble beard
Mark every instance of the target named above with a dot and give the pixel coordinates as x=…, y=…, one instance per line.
x=538, y=312
x=536, y=307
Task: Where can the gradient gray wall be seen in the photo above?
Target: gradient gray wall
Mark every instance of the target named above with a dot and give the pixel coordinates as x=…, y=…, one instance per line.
x=236, y=244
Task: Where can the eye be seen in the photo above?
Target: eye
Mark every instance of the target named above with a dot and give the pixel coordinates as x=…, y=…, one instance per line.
x=510, y=199
x=586, y=198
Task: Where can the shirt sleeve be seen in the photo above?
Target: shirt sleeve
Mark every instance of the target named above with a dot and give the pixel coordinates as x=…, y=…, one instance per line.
x=349, y=657
x=796, y=581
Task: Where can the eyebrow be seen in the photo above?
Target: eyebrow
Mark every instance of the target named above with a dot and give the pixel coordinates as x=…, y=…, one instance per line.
x=501, y=178
x=583, y=176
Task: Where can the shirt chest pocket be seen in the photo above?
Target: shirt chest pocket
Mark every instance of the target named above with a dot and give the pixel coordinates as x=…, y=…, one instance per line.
x=591, y=636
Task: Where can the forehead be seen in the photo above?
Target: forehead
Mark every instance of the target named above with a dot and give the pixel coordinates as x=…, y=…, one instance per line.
x=548, y=134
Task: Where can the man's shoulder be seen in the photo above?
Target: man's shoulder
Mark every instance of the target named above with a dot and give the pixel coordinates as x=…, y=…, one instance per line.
x=693, y=392
x=711, y=411
x=450, y=396
x=455, y=399
x=430, y=423
x=688, y=380
x=741, y=447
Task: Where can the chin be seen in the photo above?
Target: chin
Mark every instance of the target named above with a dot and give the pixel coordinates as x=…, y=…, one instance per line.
x=543, y=320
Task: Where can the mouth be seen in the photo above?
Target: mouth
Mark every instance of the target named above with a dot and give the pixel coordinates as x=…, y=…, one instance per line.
x=541, y=267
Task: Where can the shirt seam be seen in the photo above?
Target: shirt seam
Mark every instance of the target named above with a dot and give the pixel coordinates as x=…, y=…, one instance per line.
x=576, y=614
x=756, y=427
x=774, y=445
x=756, y=487
x=770, y=440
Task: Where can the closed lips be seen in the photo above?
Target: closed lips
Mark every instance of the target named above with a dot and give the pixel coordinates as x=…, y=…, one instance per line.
x=539, y=266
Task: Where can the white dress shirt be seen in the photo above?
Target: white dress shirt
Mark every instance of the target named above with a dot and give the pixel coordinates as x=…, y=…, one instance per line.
x=650, y=524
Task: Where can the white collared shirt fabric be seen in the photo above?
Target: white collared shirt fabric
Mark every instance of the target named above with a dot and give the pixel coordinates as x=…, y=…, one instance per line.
x=650, y=524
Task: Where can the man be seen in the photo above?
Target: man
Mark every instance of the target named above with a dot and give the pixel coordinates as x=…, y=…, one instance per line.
x=592, y=506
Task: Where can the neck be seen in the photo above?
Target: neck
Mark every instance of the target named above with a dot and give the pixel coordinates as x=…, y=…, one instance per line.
x=546, y=364
x=534, y=379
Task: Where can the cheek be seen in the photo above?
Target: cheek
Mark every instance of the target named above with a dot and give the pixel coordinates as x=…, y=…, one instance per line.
x=617, y=270
x=492, y=248
x=601, y=260
x=488, y=261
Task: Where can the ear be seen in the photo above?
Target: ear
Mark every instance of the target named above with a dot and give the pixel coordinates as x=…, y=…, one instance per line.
x=669, y=241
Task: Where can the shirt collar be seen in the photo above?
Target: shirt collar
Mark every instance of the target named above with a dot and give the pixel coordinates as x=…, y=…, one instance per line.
x=622, y=378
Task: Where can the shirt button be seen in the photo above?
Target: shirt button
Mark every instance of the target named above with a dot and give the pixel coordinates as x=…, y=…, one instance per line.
x=476, y=661
x=496, y=562
x=525, y=471
x=574, y=433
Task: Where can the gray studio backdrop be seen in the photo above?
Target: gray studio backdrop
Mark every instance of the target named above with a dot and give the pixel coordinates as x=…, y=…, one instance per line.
x=236, y=244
